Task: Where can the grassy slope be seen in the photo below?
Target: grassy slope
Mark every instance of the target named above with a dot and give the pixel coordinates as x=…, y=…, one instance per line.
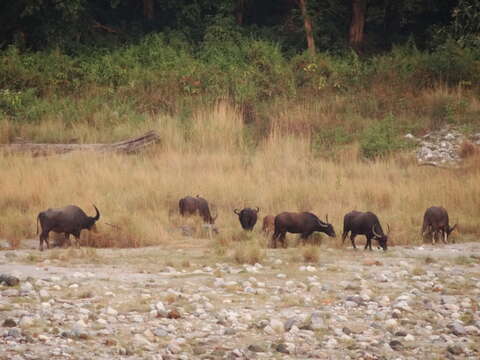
x=140, y=193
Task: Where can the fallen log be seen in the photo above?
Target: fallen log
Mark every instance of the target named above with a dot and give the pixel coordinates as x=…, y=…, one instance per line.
x=128, y=146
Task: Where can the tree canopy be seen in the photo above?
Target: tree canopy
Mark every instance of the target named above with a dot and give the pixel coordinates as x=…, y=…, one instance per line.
x=327, y=25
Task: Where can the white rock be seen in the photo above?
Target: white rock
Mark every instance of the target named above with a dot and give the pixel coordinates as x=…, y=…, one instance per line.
x=276, y=325
x=160, y=307
x=391, y=323
x=111, y=311
x=140, y=341
x=409, y=337
x=73, y=286
x=26, y=321
x=331, y=343
x=281, y=276
x=26, y=286
x=43, y=294
x=219, y=282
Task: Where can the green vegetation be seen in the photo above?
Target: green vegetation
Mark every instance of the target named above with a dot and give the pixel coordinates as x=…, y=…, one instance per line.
x=84, y=70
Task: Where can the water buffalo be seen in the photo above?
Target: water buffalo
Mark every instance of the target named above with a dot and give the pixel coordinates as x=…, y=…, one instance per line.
x=69, y=220
x=268, y=224
x=364, y=223
x=435, y=223
x=304, y=223
x=190, y=205
x=247, y=217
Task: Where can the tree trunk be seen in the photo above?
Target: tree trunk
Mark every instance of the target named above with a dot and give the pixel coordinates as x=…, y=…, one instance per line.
x=148, y=9
x=357, y=24
x=123, y=147
x=307, y=22
x=239, y=8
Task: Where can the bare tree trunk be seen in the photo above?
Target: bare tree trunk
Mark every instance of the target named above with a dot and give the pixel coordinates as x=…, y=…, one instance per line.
x=357, y=24
x=307, y=22
x=239, y=8
x=123, y=147
x=149, y=9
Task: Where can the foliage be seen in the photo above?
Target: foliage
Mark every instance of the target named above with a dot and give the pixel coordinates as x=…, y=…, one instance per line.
x=381, y=138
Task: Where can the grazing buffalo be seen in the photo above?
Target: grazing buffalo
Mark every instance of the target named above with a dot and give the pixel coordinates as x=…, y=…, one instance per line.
x=70, y=220
x=303, y=223
x=364, y=223
x=268, y=224
x=190, y=205
x=247, y=217
x=435, y=224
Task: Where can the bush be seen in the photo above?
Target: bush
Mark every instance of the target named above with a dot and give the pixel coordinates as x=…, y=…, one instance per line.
x=249, y=253
x=381, y=138
x=311, y=254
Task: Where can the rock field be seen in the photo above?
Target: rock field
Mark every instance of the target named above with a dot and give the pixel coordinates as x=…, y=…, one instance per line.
x=188, y=303
x=441, y=147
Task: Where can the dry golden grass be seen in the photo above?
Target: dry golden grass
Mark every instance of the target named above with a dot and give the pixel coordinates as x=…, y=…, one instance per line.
x=139, y=194
x=311, y=254
x=250, y=252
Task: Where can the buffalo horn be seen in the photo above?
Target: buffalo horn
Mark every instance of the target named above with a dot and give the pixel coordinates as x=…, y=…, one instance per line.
x=326, y=218
x=258, y=209
x=374, y=233
x=236, y=211
x=388, y=229
x=322, y=225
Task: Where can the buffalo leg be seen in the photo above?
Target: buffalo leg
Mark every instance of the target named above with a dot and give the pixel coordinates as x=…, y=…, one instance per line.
x=445, y=237
x=368, y=245
x=76, y=234
x=352, y=239
x=284, y=240
x=44, y=237
x=67, y=240
x=303, y=238
x=274, y=239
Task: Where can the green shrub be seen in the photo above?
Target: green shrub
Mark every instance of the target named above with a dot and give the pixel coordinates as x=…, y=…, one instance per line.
x=381, y=138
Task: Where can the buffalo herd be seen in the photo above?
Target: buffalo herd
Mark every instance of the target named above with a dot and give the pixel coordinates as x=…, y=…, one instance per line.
x=70, y=220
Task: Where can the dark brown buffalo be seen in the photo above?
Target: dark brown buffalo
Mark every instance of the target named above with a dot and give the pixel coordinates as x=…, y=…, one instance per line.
x=190, y=205
x=69, y=220
x=364, y=223
x=436, y=224
x=304, y=223
x=247, y=217
x=268, y=226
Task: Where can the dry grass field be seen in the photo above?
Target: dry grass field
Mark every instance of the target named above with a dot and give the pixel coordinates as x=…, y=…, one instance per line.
x=139, y=194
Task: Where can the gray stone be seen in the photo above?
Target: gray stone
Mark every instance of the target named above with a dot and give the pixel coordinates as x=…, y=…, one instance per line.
x=229, y=331
x=396, y=345
x=257, y=348
x=282, y=348
x=289, y=323
x=11, y=292
x=455, y=349
x=14, y=332
x=9, y=280
x=457, y=328
x=9, y=323
x=316, y=321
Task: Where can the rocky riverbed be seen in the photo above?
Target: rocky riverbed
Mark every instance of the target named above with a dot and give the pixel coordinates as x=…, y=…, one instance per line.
x=189, y=303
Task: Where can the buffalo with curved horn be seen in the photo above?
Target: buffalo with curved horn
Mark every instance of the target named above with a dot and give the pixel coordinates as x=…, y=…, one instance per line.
x=436, y=224
x=247, y=217
x=304, y=223
x=70, y=220
x=364, y=223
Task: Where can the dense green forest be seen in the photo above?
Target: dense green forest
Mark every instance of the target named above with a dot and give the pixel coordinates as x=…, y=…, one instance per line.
x=415, y=61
